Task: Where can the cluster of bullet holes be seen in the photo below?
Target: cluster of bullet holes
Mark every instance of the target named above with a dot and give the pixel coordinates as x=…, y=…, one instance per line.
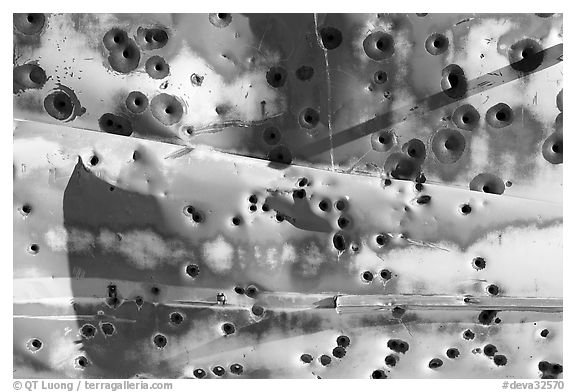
x=276, y=76
x=436, y=44
x=34, y=249
x=280, y=155
x=160, y=341
x=499, y=359
x=550, y=370
x=466, y=117
x=526, y=55
x=166, y=109
x=193, y=213
x=151, y=38
x=176, y=318
x=136, y=102
x=368, y=276
x=448, y=145
x=88, y=331
x=398, y=345
x=220, y=20
x=29, y=24
x=299, y=194
x=81, y=362
x=331, y=37
x=308, y=118
x=117, y=125
x=479, y=263
x=453, y=82
x=28, y=76
x=253, y=199
x=59, y=105
x=271, y=136
x=379, y=45
x=383, y=141
x=124, y=54
x=499, y=115
x=305, y=73
x=157, y=68
x=192, y=270
x=107, y=329
x=487, y=183
x=34, y=344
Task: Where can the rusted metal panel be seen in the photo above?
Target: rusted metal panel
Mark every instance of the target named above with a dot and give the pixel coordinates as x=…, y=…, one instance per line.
x=288, y=196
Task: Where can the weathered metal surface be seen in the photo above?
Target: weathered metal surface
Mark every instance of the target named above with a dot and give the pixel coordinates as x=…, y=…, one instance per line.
x=154, y=243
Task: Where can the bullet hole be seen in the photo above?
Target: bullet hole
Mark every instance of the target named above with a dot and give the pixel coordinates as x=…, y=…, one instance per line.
x=176, y=318
x=28, y=76
x=251, y=291
x=308, y=118
x=160, y=340
x=380, y=77
x=499, y=115
x=325, y=360
x=497, y=320
x=306, y=358
x=383, y=141
x=88, y=331
x=139, y=301
x=466, y=117
x=465, y=209
x=136, y=102
x=493, y=289
x=557, y=369
x=421, y=15
x=552, y=148
x=276, y=76
x=398, y=312
x=199, y=373
x=155, y=290
x=367, y=276
x=107, y=329
x=279, y=217
x=544, y=333
x=341, y=204
x=343, y=341
x=560, y=100
x=468, y=335
x=257, y=310
x=151, y=38
x=220, y=20
x=452, y=353
x=339, y=352
x=303, y=182
x=59, y=105
x=487, y=183
x=487, y=316
x=280, y=154
x=157, y=68
x=26, y=209
x=381, y=239
x=81, y=362
x=33, y=249
x=386, y=274
x=354, y=247
x=398, y=346
x=124, y=55
x=305, y=73
x=192, y=270
x=419, y=187
x=331, y=37
x=500, y=360
x=344, y=222
x=325, y=205
x=253, y=208
x=236, y=368
x=479, y=263
x=424, y=199
x=239, y=290
x=453, y=82
x=379, y=45
x=435, y=363
x=218, y=371
x=94, y=160
x=526, y=55
x=448, y=145
x=339, y=242
x=299, y=194
x=166, y=109
x=378, y=374
x=117, y=125
x=236, y=221
x=390, y=360
x=115, y=39
x=401, y=166
x=415, y=148
x=436, y=44
x=271, y=136
x=29, y=24
x=34, y=344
